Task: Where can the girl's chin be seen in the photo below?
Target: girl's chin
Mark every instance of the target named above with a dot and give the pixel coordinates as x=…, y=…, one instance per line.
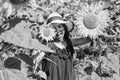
x=61, y=39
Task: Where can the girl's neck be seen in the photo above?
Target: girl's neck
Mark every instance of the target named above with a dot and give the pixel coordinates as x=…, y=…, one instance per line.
x=59, y=45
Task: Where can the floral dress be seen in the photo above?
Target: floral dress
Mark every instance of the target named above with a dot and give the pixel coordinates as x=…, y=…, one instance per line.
x=59, y=66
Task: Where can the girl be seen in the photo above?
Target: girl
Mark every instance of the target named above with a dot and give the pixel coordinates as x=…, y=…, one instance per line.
x=61, y=67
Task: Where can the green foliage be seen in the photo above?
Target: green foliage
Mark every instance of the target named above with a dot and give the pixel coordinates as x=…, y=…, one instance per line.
x=101, y=55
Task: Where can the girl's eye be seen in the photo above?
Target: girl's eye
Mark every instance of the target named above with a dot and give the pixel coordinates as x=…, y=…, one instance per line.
x=60, y=26
x=53, y=26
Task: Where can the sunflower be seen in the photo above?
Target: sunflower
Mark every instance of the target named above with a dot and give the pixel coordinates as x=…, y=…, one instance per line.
x=92, y=19
x=47, y=33
x=15, y=5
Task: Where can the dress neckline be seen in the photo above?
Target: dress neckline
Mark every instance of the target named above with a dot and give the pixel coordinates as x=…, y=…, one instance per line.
x=59, y=45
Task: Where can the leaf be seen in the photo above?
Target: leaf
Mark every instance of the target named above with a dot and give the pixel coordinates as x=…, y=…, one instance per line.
x=95, y=64
x=117, y=2
x=116, y=76
x=20, y=35
x=109, y=63
x=42, y=74
x=40, y=57
x=94, y=76
x=51, y=61
x=13, y=74
x=34, y=4
x=114, y=59
x=35, y=44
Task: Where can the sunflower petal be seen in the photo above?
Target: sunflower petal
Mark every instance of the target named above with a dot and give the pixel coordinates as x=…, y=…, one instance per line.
x=9, y=11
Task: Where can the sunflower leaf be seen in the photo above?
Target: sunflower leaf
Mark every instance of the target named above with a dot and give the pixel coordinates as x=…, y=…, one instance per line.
x=114, y=59
x=42, y=74
x=112, y=63
x=40, y=57
x=20, y=35
x=116, y=76
x=95, y=76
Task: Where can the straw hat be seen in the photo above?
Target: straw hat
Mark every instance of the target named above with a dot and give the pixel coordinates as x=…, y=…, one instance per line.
x=57, y=18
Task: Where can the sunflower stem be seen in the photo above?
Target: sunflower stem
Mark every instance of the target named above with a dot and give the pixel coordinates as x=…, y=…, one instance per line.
x=100, y=48
x=100, y=53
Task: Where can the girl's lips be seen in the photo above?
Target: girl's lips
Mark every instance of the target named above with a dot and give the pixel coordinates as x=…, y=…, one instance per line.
x=60, y=35
x=60, y=32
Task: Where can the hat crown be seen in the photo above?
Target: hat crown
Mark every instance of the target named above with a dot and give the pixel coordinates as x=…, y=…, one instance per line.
x=57, y=18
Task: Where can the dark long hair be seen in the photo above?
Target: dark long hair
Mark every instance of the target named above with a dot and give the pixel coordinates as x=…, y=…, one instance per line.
x=67, y=40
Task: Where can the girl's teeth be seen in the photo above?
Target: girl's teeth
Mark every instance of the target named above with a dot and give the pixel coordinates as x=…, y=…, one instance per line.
x=60, y=32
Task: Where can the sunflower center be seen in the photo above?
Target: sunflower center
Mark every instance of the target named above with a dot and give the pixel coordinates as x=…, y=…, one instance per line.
x=46, y=32
x=90, y=21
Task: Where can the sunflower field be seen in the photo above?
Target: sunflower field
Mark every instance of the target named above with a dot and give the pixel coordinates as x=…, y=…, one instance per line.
x=22, y=30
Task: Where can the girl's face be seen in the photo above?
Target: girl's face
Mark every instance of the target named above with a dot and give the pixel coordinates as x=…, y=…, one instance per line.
x=60, y=30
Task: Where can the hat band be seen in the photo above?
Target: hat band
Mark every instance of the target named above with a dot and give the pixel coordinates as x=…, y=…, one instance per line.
x=54, y=18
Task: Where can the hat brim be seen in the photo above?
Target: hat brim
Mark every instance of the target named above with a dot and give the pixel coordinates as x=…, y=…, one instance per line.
x=60, y=21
